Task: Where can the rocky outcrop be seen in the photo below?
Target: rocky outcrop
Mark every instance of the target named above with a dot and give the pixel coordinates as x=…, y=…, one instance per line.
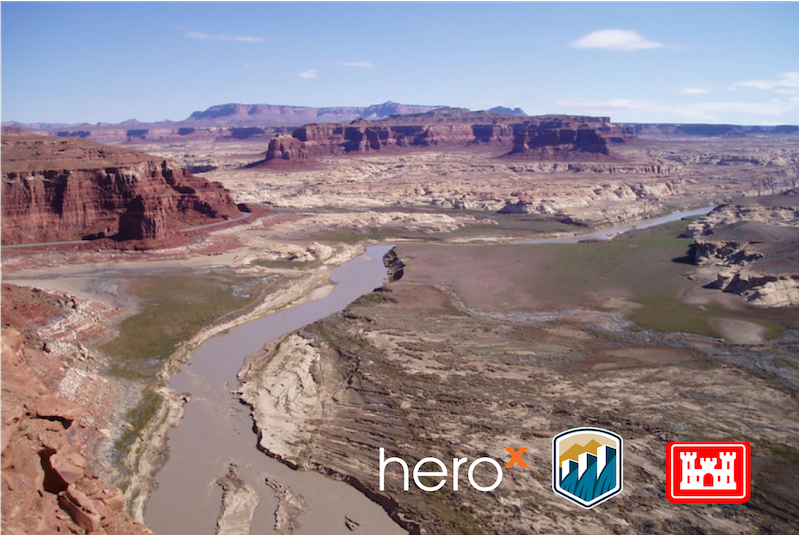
x=56, y=189
x=558, y=137
x=395, y=266
x=754, y=243
x=757, y=289
x=773, y=210
x=49, y=482
x=287, y=395
x=239, y=501
x=286, y=148
x=220, y=122
x=567, y=136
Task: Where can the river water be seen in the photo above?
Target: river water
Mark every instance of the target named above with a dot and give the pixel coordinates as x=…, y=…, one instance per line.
x=217, y=430
x=609, y=233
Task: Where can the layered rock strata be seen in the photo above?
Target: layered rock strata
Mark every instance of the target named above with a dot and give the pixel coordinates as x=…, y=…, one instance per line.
x=755, y=245
x=559, y=137
x=70, y=189
x=412, y=370
x=54, y=410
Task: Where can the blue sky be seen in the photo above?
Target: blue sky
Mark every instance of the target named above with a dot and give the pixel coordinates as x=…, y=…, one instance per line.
x=644, y=62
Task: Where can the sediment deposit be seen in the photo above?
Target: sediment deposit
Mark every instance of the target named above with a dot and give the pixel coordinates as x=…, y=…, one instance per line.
x=411, y=370
x=754, y=244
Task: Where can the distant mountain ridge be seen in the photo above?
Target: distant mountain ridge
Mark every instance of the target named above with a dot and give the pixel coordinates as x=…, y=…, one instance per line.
x=265, y=121
x=280, y=115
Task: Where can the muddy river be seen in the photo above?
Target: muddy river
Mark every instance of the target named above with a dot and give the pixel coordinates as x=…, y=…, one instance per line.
x=217, y=430
x=609, y=233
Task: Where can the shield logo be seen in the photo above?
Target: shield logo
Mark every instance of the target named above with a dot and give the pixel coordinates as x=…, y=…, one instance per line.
x=587, y=465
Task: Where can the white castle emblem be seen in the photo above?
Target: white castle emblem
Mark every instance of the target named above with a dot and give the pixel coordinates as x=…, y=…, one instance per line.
x=707, y=477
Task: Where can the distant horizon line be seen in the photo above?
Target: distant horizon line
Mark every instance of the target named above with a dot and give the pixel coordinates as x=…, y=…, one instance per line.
x=54, y=124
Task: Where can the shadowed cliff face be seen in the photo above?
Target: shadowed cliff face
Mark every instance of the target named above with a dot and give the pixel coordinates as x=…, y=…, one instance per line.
x=550, y=136
x=56, y=189
x=531, y=137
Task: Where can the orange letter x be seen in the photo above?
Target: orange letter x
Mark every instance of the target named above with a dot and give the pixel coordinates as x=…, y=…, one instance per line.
x=516, y=457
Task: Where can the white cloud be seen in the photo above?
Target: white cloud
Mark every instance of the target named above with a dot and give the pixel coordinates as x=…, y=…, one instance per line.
x=705, y=111
x=217, y=37
x=355, y=64
x=695, y=90
x=620, y=40
x=787, y=84
x=310, y=73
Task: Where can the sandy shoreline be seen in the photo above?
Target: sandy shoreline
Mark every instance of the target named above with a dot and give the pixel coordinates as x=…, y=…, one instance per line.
x=149, y=452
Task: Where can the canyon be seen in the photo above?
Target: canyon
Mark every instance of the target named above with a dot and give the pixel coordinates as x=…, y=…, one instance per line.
x=488, y=324
x=70, y=189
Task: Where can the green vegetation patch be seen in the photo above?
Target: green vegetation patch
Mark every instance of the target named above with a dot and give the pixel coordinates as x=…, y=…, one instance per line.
x=352, y=237
x=138, y=418
x=778, y=452
x=783, y=362
x=173, y=309
x=639, y=263
x=647, y=267
x=521, y=226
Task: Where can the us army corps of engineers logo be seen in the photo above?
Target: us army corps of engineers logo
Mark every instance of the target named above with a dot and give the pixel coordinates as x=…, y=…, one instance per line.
x=708, y=472
x=587, y=465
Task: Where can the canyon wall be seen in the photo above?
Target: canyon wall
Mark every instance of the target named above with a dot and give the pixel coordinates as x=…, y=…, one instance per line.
x=560, y=136
x=542, y=137
x=57, y=408
x=56, y=189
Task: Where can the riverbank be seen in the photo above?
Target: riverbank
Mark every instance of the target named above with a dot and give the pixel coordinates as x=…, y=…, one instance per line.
x=464, y=357
x=185, y=482
x=149, y=451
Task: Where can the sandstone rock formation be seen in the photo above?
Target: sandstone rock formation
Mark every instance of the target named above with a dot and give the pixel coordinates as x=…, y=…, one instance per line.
x=755, y=244
x=286, y=148
x=239, y=501
x=560, y=136
x=222, y=122
x=56, y=189
x=553, y=137
x=235, y=121
x=50, y=483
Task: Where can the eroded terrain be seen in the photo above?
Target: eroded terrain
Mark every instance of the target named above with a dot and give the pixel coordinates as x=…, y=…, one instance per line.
x=461, y=358
x=480, y=345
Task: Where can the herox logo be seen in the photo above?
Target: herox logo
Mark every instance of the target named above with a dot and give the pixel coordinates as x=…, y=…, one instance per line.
x=587, y=465
x=708, y=472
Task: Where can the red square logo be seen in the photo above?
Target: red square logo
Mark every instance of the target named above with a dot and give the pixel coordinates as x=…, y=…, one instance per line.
x=708, y=472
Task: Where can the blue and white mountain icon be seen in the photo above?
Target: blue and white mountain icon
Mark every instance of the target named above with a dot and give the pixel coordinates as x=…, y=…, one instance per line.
x=587, y=465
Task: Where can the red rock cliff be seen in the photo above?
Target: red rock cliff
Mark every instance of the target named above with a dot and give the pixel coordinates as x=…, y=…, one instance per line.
x=550, y=136
x=51, y=479
x=56, y=189
x=561, y=136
